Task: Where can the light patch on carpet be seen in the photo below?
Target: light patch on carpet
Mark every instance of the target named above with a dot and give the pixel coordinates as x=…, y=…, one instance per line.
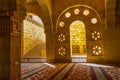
x=95, y=65
x=99, y=74
x=50, y=65
x=63, y=72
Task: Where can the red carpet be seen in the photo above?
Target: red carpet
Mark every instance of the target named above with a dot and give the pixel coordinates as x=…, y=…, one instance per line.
x=70, y=71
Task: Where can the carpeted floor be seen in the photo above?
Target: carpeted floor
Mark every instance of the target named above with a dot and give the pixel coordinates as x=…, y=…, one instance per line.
x=69, y=71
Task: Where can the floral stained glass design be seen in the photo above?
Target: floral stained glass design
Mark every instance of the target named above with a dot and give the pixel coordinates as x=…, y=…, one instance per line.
x=96, y=50
x=61, y=37
x=61, y=51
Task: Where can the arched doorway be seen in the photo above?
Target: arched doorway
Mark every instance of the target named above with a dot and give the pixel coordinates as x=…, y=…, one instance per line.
x=91, y=45
x=34, y=41
x=78, y=41
x=77, y=38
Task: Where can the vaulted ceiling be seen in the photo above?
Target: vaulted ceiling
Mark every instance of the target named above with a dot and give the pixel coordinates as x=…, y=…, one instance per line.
x=43, y=2
x=42, y=8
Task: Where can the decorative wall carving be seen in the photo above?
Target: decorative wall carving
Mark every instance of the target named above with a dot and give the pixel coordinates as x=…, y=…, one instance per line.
x=96, y=50
x=61, y=37
x=4, y=25
x=61, y=51
x=96, y=35
x=11, y=17
x=16, y=27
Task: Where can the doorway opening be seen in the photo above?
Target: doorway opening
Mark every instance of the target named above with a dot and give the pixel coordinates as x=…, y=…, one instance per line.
x=33, y=41
x=78, y=41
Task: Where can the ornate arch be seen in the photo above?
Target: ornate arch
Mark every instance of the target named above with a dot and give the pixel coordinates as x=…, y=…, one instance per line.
x=75, y=6
x=93, y=25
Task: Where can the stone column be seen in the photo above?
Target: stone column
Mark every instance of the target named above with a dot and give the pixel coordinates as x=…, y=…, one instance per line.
x=50, y=47
x=15, y=49
x=10, y=48
x=10, y=39
x=4, y=48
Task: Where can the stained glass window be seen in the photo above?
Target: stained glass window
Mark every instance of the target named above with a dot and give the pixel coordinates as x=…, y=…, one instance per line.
x=96, y=35
x=67, y=15
x=61, y=37
x=93, y=20
x=61, y=51
x=76, y=11
x=96, y=50
x=61, y=24
x=86, y=12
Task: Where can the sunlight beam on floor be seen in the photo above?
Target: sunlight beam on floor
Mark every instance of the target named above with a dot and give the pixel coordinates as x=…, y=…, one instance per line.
x=96, y=65
x=50, y=65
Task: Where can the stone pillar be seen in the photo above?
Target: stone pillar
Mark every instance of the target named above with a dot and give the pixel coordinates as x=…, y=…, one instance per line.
x=50, y=47
x=4, y=48
x=10, y=48
x=10, y=39
x=15, y=49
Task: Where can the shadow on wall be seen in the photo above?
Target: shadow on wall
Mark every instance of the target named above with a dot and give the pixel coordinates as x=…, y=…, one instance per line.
x=38, y=51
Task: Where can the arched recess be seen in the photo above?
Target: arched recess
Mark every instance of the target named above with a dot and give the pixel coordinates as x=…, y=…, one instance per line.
x=40, y=8
x=34, y=39
x=77, y=39
x=92, y=21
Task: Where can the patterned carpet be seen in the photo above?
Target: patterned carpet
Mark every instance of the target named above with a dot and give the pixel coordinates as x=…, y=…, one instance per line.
x=69, y=71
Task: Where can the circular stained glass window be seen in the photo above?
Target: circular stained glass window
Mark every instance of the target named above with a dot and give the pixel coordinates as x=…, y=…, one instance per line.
x=67, y=15
x=86, y=12
x=93, y=20
x=76, y=11
x=61, y=51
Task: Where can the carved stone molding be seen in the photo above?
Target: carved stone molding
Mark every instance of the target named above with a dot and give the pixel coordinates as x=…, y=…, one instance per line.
x=16, y=26
x=4, y=24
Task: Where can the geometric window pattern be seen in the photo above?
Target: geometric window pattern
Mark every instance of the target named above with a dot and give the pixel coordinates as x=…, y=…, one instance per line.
x=61, y=37
x=96, y=50
x=95, y=35
x=61, y=51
